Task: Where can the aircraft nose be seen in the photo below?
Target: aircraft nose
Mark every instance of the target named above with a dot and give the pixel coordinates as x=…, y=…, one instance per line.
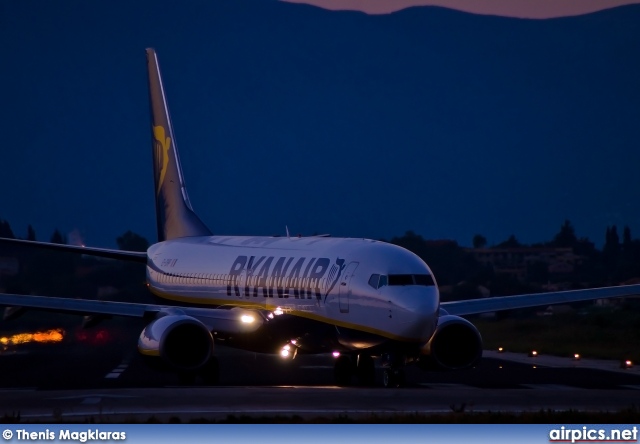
x=419, y=299
x=420, y=306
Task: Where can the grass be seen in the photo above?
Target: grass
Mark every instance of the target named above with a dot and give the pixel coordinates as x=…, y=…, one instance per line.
x=596, y=332
x=629, y=415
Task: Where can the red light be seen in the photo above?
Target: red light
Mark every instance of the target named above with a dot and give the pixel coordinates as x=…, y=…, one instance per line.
x=93, y=337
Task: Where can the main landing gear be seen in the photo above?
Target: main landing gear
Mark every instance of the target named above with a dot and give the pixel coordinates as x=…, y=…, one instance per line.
x=209, y=374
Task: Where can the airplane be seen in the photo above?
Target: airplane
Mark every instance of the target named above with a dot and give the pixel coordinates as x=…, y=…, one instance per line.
x=359, y=299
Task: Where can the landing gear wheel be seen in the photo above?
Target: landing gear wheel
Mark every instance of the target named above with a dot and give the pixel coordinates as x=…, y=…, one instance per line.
x=210, y=373
x=366, y=370
x=393, y=377
x=343, y=370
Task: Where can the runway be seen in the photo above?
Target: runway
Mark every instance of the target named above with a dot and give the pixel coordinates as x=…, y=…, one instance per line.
x=97, y=373
x=310, y=402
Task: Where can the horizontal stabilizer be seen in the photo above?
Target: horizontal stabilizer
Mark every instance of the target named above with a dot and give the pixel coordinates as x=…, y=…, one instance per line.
x=135, y=256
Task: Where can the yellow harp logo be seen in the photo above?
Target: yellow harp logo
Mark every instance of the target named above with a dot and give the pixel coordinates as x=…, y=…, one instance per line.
x=162, y=145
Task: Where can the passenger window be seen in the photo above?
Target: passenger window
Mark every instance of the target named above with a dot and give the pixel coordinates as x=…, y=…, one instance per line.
x=373, y=280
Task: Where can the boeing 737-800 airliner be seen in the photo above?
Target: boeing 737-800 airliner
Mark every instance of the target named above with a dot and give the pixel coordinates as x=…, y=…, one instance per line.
x=359, y=298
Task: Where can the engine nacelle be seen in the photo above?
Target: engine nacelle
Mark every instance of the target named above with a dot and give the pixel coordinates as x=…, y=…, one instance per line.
x=455, y=345
x=181, y=341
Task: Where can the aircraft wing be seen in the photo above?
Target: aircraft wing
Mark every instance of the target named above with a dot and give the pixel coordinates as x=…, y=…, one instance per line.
x=135, y=256
x=215, y=319
x=475, y=306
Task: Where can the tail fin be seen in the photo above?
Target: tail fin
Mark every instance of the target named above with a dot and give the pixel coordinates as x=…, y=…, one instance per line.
x=174, y=214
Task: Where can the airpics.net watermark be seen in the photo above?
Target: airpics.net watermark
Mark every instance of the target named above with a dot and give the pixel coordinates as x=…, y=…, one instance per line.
x=586, y=434
x=63, y=435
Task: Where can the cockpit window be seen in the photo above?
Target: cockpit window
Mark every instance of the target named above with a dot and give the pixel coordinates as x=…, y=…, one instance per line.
x=400, y=279
x=373, y=280
x=378, y=281
x=424, y=279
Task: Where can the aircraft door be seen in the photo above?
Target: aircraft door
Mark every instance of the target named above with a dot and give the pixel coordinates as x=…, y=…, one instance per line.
x=345, y=287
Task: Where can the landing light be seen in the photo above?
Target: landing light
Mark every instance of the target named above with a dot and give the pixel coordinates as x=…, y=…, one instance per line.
x=533, y=354
x=278, y=311
x=336, y=354
x=576, y=356
x=500, y=350
x=287, y=351
x=247, y=319
x=626, y=364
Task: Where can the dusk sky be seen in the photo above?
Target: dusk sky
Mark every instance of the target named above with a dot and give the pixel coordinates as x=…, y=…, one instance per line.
x=538, y=9
x=426, y=119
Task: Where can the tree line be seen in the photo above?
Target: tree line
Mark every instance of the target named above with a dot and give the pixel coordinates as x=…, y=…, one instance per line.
x=617, y=262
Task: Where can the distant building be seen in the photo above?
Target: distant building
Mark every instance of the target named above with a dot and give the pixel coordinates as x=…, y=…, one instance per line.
x=441, y=243
x=515, y=261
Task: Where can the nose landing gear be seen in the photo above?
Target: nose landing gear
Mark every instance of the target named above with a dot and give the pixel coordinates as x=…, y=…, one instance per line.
x=366, y=370
x=343, y=370
x=362, y=366
x=393, y=375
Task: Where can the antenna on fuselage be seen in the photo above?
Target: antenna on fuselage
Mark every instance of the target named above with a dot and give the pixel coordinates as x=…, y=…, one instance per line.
x=287, y=229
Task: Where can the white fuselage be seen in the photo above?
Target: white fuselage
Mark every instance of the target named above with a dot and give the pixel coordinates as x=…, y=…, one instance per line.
x=324, y=279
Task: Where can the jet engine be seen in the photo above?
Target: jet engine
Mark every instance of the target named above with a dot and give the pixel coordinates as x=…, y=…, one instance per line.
x=181, y=341
x=455, y=345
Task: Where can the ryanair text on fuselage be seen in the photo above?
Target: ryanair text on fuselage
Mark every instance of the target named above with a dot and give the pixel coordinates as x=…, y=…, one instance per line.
x=283, y=277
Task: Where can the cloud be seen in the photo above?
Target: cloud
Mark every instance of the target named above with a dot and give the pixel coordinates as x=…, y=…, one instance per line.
x=534, y=9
